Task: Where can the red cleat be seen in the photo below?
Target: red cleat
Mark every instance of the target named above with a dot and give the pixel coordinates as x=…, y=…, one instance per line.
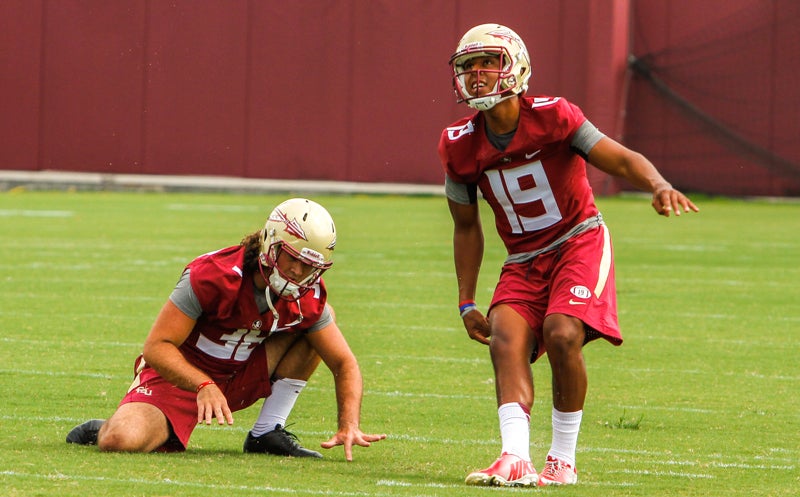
x=557, y=472
x=507, y=471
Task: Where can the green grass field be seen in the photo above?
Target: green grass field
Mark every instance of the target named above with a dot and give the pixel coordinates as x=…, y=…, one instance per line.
x=703, y=399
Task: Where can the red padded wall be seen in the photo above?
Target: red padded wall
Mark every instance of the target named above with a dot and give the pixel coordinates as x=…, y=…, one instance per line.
x=20, y=89
x=358, y=91
x=330, y=90
x=735, y=64
x=195, y=82
x=91, y=89
x=298, y=111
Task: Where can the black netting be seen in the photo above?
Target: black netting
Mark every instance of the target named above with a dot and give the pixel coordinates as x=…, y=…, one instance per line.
x=717, y=106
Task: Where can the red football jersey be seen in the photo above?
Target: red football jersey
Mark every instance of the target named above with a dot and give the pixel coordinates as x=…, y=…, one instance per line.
x=538, y=187
x=231, y=327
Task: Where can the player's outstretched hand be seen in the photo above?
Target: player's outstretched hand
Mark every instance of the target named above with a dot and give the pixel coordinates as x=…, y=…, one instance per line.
x=350, y=437
x=477, y=326
x=669, y=200
x=211, y=402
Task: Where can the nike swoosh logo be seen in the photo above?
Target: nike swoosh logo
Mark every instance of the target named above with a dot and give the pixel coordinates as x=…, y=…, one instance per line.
x=575, y=302
x=530, y=156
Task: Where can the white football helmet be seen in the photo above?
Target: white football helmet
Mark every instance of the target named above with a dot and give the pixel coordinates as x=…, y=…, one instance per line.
x=305, y=230
x=515, y=64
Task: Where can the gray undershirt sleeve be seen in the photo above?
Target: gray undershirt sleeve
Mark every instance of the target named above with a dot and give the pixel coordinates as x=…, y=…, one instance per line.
x=457, y=192
x=184, y=297
x=324, y=320
x=586, y=137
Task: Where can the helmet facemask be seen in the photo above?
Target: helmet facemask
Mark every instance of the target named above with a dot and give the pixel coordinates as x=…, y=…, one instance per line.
x=503, y=86
x=282, y=284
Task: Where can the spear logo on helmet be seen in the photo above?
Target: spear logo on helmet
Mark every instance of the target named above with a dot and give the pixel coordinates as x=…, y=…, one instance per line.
x=292, y=226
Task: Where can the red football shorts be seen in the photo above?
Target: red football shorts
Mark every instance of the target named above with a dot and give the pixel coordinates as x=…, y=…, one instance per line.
x=241, y=390
x=576, y=279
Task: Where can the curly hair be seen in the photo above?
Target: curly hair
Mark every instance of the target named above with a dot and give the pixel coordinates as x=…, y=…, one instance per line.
x=252, y=244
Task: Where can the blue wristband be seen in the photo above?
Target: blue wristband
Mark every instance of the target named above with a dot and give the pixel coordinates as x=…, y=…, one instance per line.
x=466, y=307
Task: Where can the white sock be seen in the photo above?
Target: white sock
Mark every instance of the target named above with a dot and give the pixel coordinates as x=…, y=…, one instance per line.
x=278, y=405
x=515, y=430
x=566, y=426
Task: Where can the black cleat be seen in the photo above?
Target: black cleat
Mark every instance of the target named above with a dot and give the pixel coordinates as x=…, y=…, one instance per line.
x=278, y=442
x=86, y=433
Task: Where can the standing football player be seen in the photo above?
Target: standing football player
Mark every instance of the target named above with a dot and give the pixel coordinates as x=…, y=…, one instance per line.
x=527, y=156
x=243, y=323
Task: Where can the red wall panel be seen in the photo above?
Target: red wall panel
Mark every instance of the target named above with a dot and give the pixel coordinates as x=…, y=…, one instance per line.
x=359, y=91
x=299, y=109
x=355, y=91
x=20, y=56
x=91, y=97
x=401, y=92
x=196, y=87
x=784, y=70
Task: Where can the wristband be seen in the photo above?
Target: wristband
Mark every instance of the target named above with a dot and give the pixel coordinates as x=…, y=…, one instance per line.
x=465, y=303
x=467, y=306
x=204, y=384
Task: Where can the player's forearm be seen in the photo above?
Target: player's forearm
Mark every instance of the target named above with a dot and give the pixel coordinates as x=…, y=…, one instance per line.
x=349, y=392
x=642, y=174
x=617, y=160
x=168, y=361
x=467, y=255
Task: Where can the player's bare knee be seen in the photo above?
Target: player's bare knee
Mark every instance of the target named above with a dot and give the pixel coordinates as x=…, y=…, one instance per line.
x=112, y=440
x=123, y=433
x=501, y=342
x=563, y=336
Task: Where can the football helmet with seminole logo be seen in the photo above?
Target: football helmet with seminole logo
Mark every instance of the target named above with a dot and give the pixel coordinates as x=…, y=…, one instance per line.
x=303, y=229
x=515, y=64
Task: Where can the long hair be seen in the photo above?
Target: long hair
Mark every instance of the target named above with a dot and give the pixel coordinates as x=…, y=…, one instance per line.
x=252, y=245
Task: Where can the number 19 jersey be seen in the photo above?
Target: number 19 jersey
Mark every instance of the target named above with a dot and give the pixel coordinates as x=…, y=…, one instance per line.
x=537, y=187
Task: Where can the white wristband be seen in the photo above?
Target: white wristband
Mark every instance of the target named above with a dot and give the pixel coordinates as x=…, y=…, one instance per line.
x=467, y=309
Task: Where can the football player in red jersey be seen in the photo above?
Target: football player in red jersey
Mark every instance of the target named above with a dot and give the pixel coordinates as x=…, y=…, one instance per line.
x=527, y=157
x=243, y=323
